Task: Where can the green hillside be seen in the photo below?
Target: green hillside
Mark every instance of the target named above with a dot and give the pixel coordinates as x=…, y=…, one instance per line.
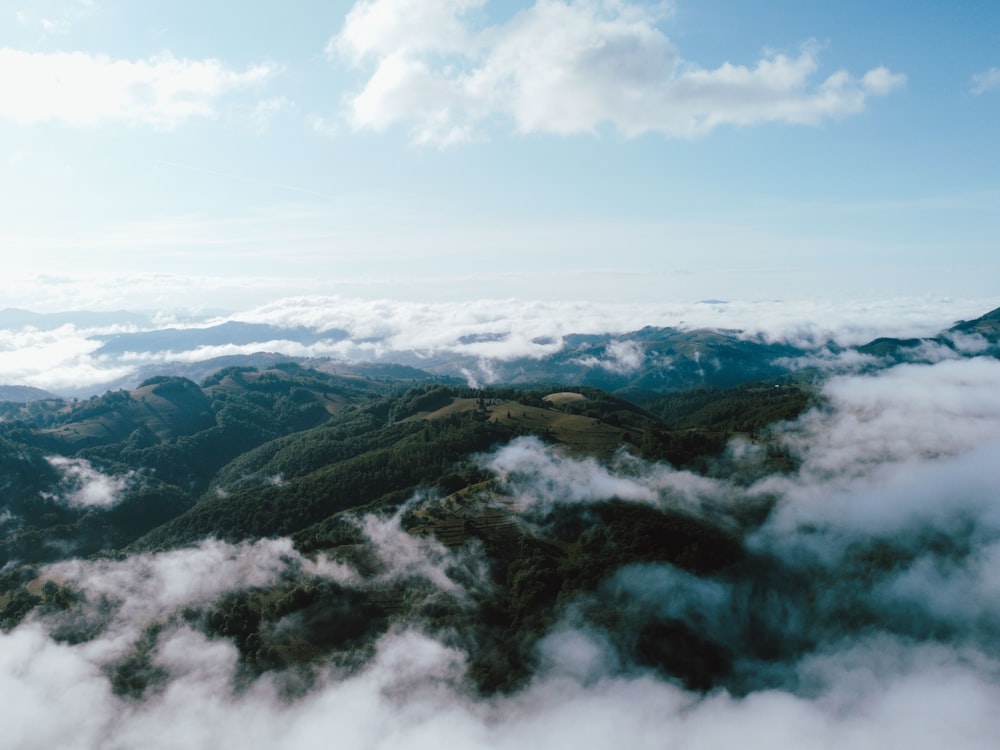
x=294, y=452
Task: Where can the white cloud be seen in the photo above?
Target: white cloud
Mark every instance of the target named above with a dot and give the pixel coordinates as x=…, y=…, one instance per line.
x=566, y=67
x=988, y=80
x=907, y=411
x=143, y=588
x=514, y=327
x=881, y=693
x=55, y=359
x=537, y=476
x=404, y=558
x=64, y=359
x=622, y=357
x=86, y=487
x=79, y=88
x=829, y=361
x=375, y=28
x=58, y=18
x=906, y=448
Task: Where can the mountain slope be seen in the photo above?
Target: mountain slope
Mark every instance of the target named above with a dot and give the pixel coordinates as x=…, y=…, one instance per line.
x=349, y=509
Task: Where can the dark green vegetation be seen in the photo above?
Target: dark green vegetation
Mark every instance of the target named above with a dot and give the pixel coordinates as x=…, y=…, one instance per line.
x=288, y=451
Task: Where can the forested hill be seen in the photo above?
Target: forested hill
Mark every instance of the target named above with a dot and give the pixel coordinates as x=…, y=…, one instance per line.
x=350, y=502
x=274, y=452
x=287, y=451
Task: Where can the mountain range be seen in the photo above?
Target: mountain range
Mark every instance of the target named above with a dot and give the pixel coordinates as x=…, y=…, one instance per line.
x=637, y=365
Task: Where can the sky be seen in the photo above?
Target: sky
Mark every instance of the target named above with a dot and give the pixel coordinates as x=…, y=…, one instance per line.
x=181, y=155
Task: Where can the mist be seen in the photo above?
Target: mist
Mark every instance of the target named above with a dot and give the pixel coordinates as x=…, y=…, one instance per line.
x=83, y=486
x=63, y=353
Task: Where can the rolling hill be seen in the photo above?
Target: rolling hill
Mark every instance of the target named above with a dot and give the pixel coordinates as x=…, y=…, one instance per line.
x=402, y=499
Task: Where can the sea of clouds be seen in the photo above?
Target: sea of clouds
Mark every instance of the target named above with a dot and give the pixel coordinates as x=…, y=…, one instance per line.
x=63, y=353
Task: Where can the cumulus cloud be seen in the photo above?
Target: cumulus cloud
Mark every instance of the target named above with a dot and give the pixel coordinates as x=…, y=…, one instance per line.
x=78, y=88
x=484, y=373
x=534, y=473
x=967, y=343
x=947, y=345
x=988, y=80
x=507, y=328
x=410, y=697
x=567, y=67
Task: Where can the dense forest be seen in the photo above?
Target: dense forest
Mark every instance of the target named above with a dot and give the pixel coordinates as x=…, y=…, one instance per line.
x=292, y=452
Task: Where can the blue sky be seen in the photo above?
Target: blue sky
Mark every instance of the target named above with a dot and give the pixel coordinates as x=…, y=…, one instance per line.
x=181, y=154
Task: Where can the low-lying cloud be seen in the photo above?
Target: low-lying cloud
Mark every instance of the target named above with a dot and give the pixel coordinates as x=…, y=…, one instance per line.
x=619, y=357
x=507, y=328
x=83, y=486
x=539, y=477
x=66, y=358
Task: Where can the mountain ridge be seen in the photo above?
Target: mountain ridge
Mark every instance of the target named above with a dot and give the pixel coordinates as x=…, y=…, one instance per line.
x=650, y=360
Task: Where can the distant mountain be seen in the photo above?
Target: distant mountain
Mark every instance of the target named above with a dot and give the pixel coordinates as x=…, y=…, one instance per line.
x=196, y=371
x=338, y=441
x=201, y=369
x=980, y=336
x=23, y=393
x=639, y=364
x=651, y=360
x=231, y=333
x=987, y=326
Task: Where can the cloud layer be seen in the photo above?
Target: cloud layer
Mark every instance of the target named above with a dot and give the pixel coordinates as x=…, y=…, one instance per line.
x=568, y=67
x=64, y=357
